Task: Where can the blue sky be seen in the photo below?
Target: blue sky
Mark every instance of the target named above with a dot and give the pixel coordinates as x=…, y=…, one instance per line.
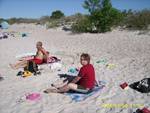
x=38, y=8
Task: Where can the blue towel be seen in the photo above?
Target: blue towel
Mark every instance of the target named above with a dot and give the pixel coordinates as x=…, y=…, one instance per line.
x=77, y=97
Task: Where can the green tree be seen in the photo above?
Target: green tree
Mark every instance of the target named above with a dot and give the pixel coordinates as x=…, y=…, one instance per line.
x=92, y=5
x=57, y=14
x=1, y=20
x=12, y=20
x=44, y=19
x=83, y=24
x=102, y=14
x=138, y=20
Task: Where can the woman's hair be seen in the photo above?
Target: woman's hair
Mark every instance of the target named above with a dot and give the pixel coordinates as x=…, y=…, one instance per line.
x=85, y=56
x=39, y=43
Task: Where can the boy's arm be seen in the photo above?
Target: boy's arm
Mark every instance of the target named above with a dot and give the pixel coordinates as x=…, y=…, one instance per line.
x=80, y=75
x=45, y=52
x=76, y=79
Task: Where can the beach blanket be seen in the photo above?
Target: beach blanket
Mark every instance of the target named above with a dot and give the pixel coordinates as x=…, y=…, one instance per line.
x=29, y=56
x=77, y=97
x=26, y=55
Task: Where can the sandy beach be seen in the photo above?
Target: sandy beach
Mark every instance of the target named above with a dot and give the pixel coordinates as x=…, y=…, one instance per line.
x=128, y=51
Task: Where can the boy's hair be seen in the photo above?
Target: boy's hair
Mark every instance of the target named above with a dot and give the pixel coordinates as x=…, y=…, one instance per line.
x=40, y=43
x=86, y=57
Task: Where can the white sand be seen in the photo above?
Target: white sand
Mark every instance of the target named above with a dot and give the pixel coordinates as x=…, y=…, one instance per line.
x=129, y=51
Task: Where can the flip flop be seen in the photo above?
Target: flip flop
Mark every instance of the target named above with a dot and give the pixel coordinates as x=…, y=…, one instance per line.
x=19, y=73
x=51, y=90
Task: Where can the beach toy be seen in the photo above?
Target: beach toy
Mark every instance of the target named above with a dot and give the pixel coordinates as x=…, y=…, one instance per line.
x=124, y=85
x=27, y=73
x=33, y=96
x=102, y=61
x=111, y=66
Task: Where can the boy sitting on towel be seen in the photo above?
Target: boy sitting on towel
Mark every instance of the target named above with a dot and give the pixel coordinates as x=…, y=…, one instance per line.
x=82, y=83
x=40, y=57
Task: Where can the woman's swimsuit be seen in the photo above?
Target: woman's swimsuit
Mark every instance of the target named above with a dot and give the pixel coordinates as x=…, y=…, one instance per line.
x=37, y=60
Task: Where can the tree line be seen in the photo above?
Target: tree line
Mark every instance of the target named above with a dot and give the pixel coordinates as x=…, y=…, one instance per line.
x=102, y=17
